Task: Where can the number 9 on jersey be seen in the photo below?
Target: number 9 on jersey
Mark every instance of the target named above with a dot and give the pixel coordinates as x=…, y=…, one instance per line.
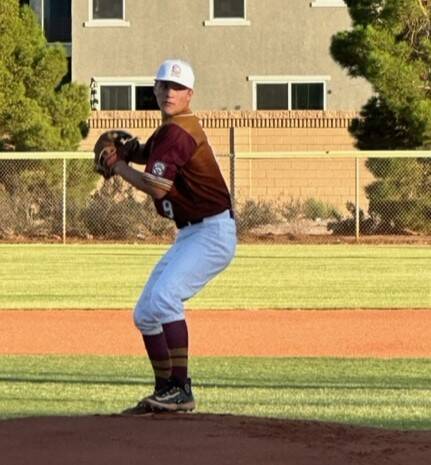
x=168, y=209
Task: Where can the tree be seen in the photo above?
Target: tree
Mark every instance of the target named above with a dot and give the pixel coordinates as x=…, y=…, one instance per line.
x=390, y=46
x=36, y=111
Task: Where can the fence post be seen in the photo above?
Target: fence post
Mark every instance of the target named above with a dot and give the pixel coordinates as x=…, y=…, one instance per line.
x=357, y=210
x=64, y=200
x=232, y=166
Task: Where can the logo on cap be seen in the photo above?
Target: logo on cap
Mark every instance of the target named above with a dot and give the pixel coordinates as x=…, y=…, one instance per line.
x=176, y=71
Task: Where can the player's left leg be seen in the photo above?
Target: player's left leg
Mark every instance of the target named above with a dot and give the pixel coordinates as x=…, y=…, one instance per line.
x=201, y=252
x=154, y=339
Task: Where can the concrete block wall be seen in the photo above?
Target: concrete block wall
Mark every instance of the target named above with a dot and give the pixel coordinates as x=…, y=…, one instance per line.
x=292, y=139
x=268, y=179
x=254, y=130
x=281, y=181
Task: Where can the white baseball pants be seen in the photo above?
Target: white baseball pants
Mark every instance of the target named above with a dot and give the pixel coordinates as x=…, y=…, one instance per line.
x=200, y=252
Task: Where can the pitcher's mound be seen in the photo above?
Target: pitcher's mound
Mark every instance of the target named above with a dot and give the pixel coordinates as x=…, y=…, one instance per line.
x=188, y=439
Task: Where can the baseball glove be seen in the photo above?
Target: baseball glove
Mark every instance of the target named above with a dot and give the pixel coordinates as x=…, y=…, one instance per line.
x=110, y=147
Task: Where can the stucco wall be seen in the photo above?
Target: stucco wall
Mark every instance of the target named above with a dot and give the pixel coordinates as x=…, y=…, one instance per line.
x=283, y=38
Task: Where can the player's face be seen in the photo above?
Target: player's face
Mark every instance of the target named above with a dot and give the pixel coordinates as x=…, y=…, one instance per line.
x=172, y=98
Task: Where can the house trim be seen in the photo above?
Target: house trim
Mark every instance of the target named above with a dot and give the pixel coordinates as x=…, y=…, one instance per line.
x=328, y=4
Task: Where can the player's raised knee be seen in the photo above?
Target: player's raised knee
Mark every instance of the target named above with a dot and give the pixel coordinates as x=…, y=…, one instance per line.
x=146, y=323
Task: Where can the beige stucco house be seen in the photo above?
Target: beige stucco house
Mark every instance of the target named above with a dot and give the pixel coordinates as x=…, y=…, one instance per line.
x=266, y=81
x=247, y=54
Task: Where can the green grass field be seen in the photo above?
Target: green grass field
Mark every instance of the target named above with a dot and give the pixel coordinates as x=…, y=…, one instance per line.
x=382, y=393
x=261, y=276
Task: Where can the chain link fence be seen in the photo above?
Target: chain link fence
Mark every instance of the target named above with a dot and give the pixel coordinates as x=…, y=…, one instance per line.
x=333, y=196
x=290, y=196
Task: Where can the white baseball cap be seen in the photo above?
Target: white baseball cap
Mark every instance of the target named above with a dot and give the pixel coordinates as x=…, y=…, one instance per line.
x=177, y=71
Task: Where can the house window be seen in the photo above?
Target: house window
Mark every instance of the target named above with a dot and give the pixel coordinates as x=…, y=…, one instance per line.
x=57, y=20
x=227, y=13
x=55, y=17
x=120, y=94
x=307, y=96
x=289, y=92
x=115, y=98
x=106, y=13
x=272, y=96
x=108, y=9
x=145, y=98
x=228, y=9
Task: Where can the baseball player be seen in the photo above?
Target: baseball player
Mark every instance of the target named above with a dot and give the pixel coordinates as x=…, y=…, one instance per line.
x=185, y=182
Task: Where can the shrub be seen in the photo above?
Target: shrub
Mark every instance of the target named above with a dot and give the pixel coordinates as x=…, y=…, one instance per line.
x=400, y=196
x=7, y=214
x=154, y=223
x=35, y=188
x=32, y=207
x=291, y=210
x=113, y=213
x=347, y=226
x=311, y=209
x=317, y=209
x=253, y=214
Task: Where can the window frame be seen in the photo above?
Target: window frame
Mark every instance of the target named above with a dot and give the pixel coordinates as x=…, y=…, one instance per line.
x=144, y=81
x=95, y=22
x=213, y=21
x=289, y=80
x=328, y=4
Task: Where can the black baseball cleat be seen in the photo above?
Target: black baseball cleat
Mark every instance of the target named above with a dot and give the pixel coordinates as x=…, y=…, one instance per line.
x=141, y=408
x=175, y=397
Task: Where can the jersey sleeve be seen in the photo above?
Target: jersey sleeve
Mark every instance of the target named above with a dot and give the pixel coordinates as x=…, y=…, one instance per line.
x=172, y=148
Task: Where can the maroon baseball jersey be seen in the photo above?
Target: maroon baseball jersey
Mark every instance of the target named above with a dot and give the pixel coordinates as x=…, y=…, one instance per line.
x=180, y=160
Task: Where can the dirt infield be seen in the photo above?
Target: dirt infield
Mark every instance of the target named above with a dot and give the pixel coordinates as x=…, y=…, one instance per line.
x=190, y=439
x=340, y=333
x=204, y=440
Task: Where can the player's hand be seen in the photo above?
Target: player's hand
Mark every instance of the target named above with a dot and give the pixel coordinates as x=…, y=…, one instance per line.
x=105, y=161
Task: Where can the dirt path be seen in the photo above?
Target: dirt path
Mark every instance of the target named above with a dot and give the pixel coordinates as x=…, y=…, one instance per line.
x=341, y=333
